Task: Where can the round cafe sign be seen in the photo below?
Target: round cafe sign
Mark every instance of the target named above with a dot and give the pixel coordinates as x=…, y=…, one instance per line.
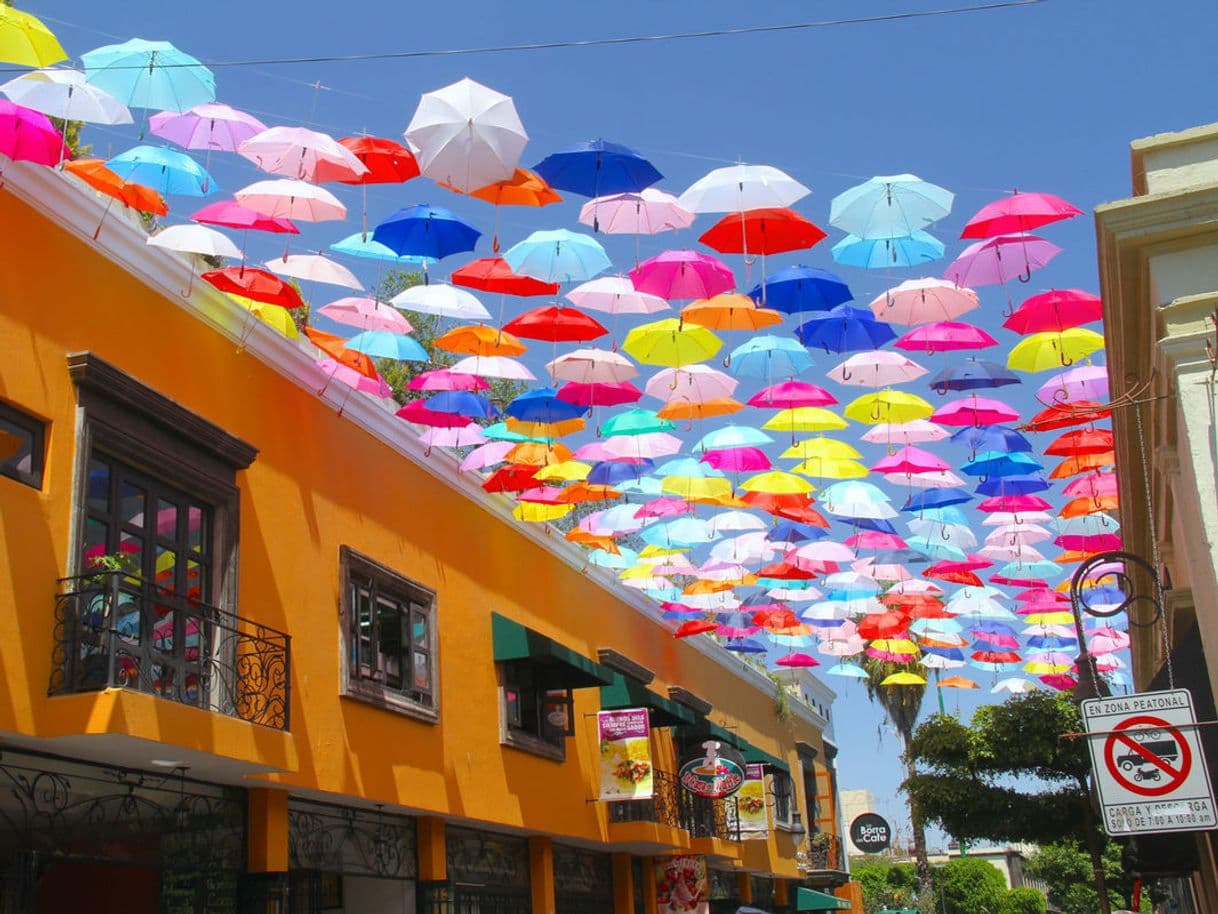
x=715, y=775
x=871, y=833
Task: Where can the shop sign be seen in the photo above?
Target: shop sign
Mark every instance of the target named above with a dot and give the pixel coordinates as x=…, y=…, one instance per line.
x=682, y=886
x=752, y=812
x=871, y=833
x=624, y=738
x=717, y=774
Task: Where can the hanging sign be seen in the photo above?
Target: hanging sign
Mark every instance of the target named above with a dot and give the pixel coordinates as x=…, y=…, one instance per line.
x=871, y=833
x=717, y=774
x=682, y=886
x=1148, y=765
x=752, y=813
x=624, y=738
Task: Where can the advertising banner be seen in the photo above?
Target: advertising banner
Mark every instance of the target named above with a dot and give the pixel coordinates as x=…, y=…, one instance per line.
x=624, y=738
x=751, y=808
x=682, y=886
x=715, y=775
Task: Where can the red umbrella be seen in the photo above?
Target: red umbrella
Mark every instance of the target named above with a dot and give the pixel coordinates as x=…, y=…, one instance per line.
x=775, y=618
x=883, y=625
x=781, y=571
x=762, y=231
x=796, y=507
x=258, y=285
x=1081, y=441
x=515, y=477
x=556, y=325
x=694, y=627
x=1055, y=311
x=996, y=656
x=492, y=274
x=1064, y=415
x=1018, y=213
x=955, y=577
x=231, y=214
x=388, y=162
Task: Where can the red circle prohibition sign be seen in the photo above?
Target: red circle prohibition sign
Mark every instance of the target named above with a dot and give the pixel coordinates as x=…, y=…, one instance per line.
x=1153, y=765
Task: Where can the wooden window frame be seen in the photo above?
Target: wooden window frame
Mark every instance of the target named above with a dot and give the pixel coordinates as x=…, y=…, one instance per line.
x=37, y=430
x=792, y=799
x=365, y=689
x=522, y=737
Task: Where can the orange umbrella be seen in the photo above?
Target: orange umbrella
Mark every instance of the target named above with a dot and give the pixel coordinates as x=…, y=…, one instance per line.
x=532, y=453
x=1077, y=507
x=336, y=348
x=581, y=492
x=523, y=188
x=545, y=429
x=138, y=197
x=686, y=409
x=957, y=682
x=481, y=340
x=593, y=540
x=729, y=311
x=702, y=586
x=1082, y=463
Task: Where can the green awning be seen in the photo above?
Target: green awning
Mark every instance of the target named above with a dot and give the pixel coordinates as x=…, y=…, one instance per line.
x=756, y=756
x=812, y=900
x=702, y=729
x=626, y=692
x=514, y=641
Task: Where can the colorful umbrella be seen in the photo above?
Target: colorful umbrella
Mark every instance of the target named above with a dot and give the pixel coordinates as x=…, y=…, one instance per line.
x=889, y=206
x=287, y=199
x=670, y=343
x=1055, y=310
x=1043, y=351
x=762, y=231
x=596, y=168
x=799, y=289
x=231, y=214
x=921, y=301
x=682, y=274
x=1018, y=213
x=558, y=256
x=884, y=253
x=95, y=173
x=1001, y=259
x=647, y=212
x=63, y=93
x=25, y=41
x=427, y=231
x=738, y=188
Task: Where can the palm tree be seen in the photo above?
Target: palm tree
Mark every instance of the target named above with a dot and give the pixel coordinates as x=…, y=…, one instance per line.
x=902, y=704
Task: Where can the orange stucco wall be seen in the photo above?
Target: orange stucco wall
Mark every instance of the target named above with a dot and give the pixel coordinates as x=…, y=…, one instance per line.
x=319, y=482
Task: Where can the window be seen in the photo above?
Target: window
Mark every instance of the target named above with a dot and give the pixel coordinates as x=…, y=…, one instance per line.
x=537, y=711
x=782, y=789
x=22, y=446
x=389, y=630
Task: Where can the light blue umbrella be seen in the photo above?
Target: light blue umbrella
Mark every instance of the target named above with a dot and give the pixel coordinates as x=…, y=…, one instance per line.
x=768, y=356
x=149, y=74
x=645, y=486
x=937, y=549
x=558, y=255
x=732, y=436
x=687, y=466
x=677, y=534
x=889, y=206
x=1087, y=525
x=1041, y=568
x=849, y=670
x=166, y=171
x=949, y=514
x=361, y=245
x=1001, y=463
x=383, y=345
x=881, y=253
x=500, y=432
x=625, y=558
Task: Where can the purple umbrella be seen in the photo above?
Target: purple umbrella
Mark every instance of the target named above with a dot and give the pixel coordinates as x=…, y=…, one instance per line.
x=997, y=260
x=207, y=126
x=1086, y=382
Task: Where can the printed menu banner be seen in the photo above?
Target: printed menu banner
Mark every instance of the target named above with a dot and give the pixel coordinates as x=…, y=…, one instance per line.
x=682, y=886
x=625, y=748
x=751, y=808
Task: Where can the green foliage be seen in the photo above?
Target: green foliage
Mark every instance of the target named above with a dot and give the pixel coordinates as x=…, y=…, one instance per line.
x=71, y=137
x=885, y=884
x=1065, y=869
x=901, y=704
x=1022, y=901
x=969, y=885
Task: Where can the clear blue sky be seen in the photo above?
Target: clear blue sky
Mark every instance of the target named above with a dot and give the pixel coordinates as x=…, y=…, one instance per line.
x=1045, y=97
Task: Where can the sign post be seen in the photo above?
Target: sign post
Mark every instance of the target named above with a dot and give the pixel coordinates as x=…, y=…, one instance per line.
x=1148, y=765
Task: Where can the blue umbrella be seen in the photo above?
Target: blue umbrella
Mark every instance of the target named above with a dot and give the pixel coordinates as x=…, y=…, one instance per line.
x=682, y=614
x=1030, y=571
x=769, y=356
x=948, y=514
x=166, y=171
x=801, y=288
x=881, y=253
x=1020, y=484
x=991, y=438
x=848, y=670
x=879, y=524
x=597, y=169
x=612, y=472
x=624, y=558
x=149, y=74
x=935, y=548
x=558, y=255
x=425, y=231
x=948, y=653
x=646, y=486
x=936, y=498
x=462, y=403
x=889, y=206
x=384, y=345
x=844, y=329
x=680, y=533
x=1052, y=643
x=361, y=244
x=975, y=374
x=744, y=646
x=1001, y=463
x=543, y=405
x=791, y=532
x=500, y=432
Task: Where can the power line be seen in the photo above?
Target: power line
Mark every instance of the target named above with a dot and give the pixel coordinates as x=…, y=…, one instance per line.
x=609, y=42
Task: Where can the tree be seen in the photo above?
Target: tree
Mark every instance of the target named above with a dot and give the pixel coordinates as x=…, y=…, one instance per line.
x=901, y=705
x=966, y=784
x=885, y=884
x=970, y=885
x=1065, y=869
x=1023, y=901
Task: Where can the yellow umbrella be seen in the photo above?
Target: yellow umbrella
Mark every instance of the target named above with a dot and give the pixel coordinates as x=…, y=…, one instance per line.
x=565, y=471
x=481, y=340
x=535, y=454
x=895, y=646
x=1049, y=618
x=824, y=448
x=687, y=409
x=25, y=41
x=730, y=311
x=777, y=482
x=671, y=343
x=634, y=572
x=694, y=488
x=910, y=679
x=533, y=513
x=1040, y=668
x=275, y=316
x=1043, y=351
x=830, y=468
x=804, y=419
x=545, y=429
x=887, y=406
x=658, y=552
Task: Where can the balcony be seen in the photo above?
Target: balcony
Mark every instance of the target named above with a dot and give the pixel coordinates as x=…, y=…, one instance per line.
x=113, y=630
x=674, y=808
x=821, y=859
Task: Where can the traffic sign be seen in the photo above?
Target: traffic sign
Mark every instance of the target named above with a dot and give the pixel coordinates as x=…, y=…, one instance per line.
x=1148, y=765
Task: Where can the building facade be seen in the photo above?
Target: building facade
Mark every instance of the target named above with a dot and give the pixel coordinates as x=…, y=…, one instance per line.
x=259, y=652
x=1158, y=259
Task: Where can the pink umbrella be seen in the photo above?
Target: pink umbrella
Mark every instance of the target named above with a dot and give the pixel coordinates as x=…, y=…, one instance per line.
x=599, y=394
x=846, y=647
x=597, y=452
x=542, y=495
x=469, y=436
x=1086, y=382
x=695, y=383
x=876, y=369
x=797, y=661
x=1095, y=542
x=1107, y=641
x=682, y=274
x=791, y=395
x=367, y=314
x=1013, y=503
x=446, y=379
x=231, y=214
x=999, y=259
x=1055, y=311
x=416, y=411
x=738, y=459
x=207, y=126
x=338, y=372
x=648, y=445
x=647, y=212
x=615, y=295
x=1093, y=485
x=27, y=135
x=1018, y=213
x=938, y=479
x=296, y=152
x=485, y=455
x=974, y=411
x=873, y=539
x=910, y=460
x=945, y=336
x=665, y=507
x=914, y=431
x=919, y=301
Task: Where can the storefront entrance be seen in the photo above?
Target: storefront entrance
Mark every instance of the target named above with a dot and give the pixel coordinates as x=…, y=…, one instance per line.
x=583, y=881
x=487, y=873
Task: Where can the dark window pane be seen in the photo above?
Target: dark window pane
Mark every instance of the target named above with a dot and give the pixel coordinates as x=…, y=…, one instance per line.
x=98, y=486
x=166, y=519
x=131, y=504
x=22, y=446
x=196, y=529
x=95, y=544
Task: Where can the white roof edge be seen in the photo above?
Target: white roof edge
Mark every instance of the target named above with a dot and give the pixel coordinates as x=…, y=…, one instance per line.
x=74, y=208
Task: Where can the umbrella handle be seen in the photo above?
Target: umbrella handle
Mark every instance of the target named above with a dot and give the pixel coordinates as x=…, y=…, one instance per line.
x=727, y=362
x=947, y=537
x=847, y=374
x=1066, y=360
x=1026, y=275
x=875, y=410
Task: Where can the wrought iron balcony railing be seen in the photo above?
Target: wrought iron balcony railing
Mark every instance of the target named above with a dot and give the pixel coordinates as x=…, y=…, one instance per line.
x=677, y=808
x=663, y=807
x=113, y=630
x=824, y=853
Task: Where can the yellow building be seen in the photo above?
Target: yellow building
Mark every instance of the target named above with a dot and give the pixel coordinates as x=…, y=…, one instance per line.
x=260, y=652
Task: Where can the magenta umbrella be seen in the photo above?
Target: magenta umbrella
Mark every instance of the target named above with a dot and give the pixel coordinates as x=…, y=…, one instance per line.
x=1095, y=542
x=1018, y=213
x=207, y=126
x=1093, y=485
x=738, y=459
x=599, y=394
x=791, y=395
x=974, y=411
x=910, y=459
x=27, y=135
x=446, y=379
x=999, y=259
x=231, y=214
x=1055, y=310
x=668, y=506
x=1086, y=382
x=682, y=275
x=945, y=336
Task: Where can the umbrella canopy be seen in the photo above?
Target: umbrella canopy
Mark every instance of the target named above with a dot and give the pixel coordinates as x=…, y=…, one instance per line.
x=296, y=152
x=1057, y=310
x=592, y=366
x=29, y=136
x=385, y=161
x=762, y=231
x=877, y=368
x=647, y=212
x=258, y=285
x=231, y=214
x=738, y=188
x=889, y=206
x=1001, y=259
x=150, y=74
x=945, y=336
x=557, y=324
x=523, y=188
x=428, y=231
x=289, y=199
x=315, y=268
x=598, y=168
x=788, y=394
x=771, y=357
x=798, y=289
x=63, y=93
x=209, y=125
x=493, y=274
x=385, y=345
x=164, y=170
x=441, y=300
x=1043, y=351
x=729, y=311
x=361, y=245
x=195, y=239
x=136, y=196
x=884, y=253
x=615, y=295
x=366, y=314
x=671, y=343
x=972, y=374
x=844, y=329
x=1018, y=213
x=557, y=256
x=26, y=42
x=682, y=274
x=921, y=301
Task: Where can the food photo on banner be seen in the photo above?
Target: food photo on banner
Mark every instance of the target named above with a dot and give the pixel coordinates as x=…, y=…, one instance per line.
x=682, y=886
x=624, y=738
x=752, y=811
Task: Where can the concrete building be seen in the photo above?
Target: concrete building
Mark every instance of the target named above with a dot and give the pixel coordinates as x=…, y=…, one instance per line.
x=1158, y=260
x=854, y=804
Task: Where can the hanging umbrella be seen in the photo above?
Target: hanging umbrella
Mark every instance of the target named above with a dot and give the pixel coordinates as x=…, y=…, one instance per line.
x=729, y=311
x=297, y=152
x=600, y=393
x=738, y=188
x=972, y=374
x=682, y=274
x=367, y=314
x=231, y=214
x=287, y=199
x=887, y=406
x=164, y=170
x=615, y=295
x=209, y=125
x=1055, y=310
x=29, y=136
x=771, y=357
x=975, y=411
x=136, y=196
x=1000, y=259
x=670, y=343
x=598, y=168
x=945, y=336
x=492, y=274
x=277, y=318
x=788, y=394
x=556, y=324
x=921, y=301
x=428, y=231
x=441, y=300
x=558, y=256
x=992, y=438
x=647, y=212
x=1043, y=351
x=258, y=285
x=884, y=253
x=762, y=231
x=444, y=379
x=523, y=188
x=1063, y=415
x=804, y=419
x=1082, y=441
x=915, y=431
x=195, y=239
x=1086, y=382
x=336, y=348
x=150, y=74
x=315, y=268
x=1018, y=213
x=361, y=245
x=889, y=206
x=876, y=368
x=385, y=162
x=909, y=459
x=844, y=329
x=693, y=383
x=466, y=135
x=344, y=374
x=63, y=93
x=25, y=41
x=589, y=366
x=493, y=366
x=798, y=289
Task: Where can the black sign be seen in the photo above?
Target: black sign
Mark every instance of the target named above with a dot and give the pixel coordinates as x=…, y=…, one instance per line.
x=871, y=833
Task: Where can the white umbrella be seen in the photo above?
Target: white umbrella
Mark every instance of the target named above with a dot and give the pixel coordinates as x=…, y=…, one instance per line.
x=466, y=135
x=918, y=301
x=878, y=368
x=290, y=199
x=65, y=94
x=195, y=239
x=1015, y=686
x=902, y=434
x=367, y=314
x=1006, y=551
x=592, y=366
x=735, y=521
x=314, y=267
x=296, y=152
x=742, y=187
x=615, y=295
x=647, y=212
x=998, y=518
x=441, y=299
x=1011, y=534
x=493, y=366
x=932, y=479
x=693, y=383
